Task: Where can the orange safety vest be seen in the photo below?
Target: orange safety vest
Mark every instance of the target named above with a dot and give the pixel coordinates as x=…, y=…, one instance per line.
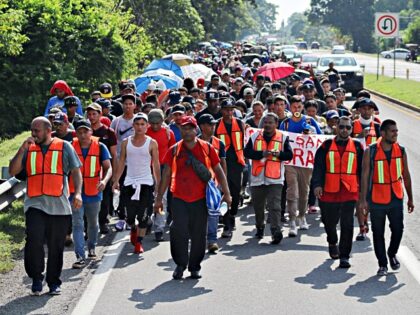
x=215, y=142
x=205, y=146
x=238, y=137
x=387, y=175
x=271, y=163
x=45, y=171
x=358, y=129
x=91, y=167
x=341, y=169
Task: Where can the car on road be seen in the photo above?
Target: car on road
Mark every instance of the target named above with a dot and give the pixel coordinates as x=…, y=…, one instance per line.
x=400, y=53
x=315, y=45
x=309, y=60
x=338, y=49
x=349, y=70
x=301, y=45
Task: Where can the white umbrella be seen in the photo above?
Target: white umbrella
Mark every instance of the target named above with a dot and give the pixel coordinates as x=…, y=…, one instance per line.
x=179, y=59
x=196, y=71
x=163, y=72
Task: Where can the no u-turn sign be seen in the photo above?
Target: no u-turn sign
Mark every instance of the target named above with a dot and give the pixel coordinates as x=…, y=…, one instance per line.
x=387, y=24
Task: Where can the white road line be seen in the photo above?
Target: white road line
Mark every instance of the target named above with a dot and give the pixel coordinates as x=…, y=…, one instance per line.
x=97, y=283
x=410, y=261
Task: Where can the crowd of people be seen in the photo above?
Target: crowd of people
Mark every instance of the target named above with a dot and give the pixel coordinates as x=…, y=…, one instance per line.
x=165, y=150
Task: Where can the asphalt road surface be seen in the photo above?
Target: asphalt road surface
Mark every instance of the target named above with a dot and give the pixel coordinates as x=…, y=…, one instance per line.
x=247, y=276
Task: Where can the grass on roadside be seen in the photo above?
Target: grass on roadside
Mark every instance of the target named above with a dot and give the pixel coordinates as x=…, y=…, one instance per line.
x=8, y=147
x=12, y=235
x=400, y=89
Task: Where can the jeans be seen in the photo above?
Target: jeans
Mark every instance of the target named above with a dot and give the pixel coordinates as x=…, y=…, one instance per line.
x=212, y=222
x=234, y=179
x=106, y=204
x=331, y=213
x=41, y=228
x=91, y=212
x=159, y=221
x=396, y=224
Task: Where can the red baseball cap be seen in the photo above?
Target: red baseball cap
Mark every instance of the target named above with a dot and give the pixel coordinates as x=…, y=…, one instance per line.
x=189, y=120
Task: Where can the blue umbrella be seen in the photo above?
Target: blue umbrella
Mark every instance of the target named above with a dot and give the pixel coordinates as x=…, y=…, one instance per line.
x=143, y=80
x=165, y=64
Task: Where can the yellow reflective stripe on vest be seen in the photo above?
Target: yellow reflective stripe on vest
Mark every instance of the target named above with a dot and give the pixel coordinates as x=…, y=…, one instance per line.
x=276, y=148
x=259, y=145
x=33, y=162
x=381, y=179
x=332, y=166
x=238, y=140
x=54, y=162
x=92, y=166
x=399, y=167
x=222, y=138
x=350, y=162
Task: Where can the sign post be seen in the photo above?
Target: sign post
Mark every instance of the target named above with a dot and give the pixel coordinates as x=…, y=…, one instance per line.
x=387, y=25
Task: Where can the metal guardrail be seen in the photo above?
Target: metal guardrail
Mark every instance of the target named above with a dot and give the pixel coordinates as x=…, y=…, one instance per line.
x=11, y=190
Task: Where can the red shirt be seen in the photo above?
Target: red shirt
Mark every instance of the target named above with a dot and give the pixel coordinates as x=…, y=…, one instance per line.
x=188, y=186
x=164, y=142
x=343, y=195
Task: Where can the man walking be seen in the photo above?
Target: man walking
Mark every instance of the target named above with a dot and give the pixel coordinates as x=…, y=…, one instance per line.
x=267, y=149
x=189, y=208
x=385, y=168
x=335, y=178
x=46, y=162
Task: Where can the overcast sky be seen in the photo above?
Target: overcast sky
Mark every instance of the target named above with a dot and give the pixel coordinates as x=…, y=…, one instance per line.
x=287, y=7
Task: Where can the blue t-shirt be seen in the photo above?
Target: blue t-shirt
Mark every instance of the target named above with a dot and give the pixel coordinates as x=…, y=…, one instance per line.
x=105, y=155
x=176, y=131
x=298, y=127
x=55, y=101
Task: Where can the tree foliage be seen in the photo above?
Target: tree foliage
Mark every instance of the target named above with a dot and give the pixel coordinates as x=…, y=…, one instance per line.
x=412, y=33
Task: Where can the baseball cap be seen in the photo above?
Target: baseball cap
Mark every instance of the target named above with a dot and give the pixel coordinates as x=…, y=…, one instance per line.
x=223, y=95
x=340, y=89
x=156, y=115
x=106, y=90
x=248, y=91
x=151, y=87
x=332, y=114
x=276, y=85
x=95, y=106
x=54, y=110
x=174, y=97
x=83, y=123
x=60, y=118
x=70, y=101
x=260, y=77
x=239, y=79
x=95, y=93
x=189, y=120
x=103, y=102
x=308, y=86
x=178, y=109
x=295, y=77
x=279, y=97
x=365, y=102
x=128, y=97
x=140, y=116
x=215, y=76
x=227, y=103
x=189, y=99
x=206, y=119
x=212, y=95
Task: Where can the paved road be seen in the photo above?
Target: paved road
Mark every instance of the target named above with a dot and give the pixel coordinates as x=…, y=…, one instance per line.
x=247, y=276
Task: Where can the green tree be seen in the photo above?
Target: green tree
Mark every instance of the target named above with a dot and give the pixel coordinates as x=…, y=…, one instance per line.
x=351, y=17
x=412, y=33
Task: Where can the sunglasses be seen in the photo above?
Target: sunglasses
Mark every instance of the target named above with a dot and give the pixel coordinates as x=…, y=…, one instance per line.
x=344, y=127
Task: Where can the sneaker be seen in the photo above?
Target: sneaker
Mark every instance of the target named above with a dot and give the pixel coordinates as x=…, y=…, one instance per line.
x=178, y=273
x=36, y=287
x=260, y=233
x=227, y=232
x=302, y=224
x=69, y=241
x=120, y=225
x=55, y=290
x=382, y=271
x=103, y=229
x=293, y=229
x=344, y=263
x=79, y=264
x=92, y=254
x=283, y=218
x=334, y=252
x=312, y=209
x=212, y=248
x=361, y=236
x=276, y=238
x=159, y=236
x=138, y=248
x=133, y=235
x=395, y=264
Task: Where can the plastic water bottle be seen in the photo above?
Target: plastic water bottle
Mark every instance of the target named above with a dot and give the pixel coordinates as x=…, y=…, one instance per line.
x=223, y=208
x=116, y=199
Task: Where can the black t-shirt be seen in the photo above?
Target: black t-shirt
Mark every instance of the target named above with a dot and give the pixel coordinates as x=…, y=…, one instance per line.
x=206, y=111
x=106, y=136
x=231, y=158
x=68, y=137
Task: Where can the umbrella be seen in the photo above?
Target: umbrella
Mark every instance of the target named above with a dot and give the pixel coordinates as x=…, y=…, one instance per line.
x=275, y=70
x=163, y=72
x=143, y=80
x=164, y=64
x=179, y=59
x=225, y=45
x=196, y=71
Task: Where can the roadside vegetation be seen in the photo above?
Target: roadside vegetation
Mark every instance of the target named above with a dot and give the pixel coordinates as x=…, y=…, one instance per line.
x=8, y=147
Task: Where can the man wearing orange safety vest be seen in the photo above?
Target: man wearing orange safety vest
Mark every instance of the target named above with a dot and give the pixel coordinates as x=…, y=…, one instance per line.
x=46, y=162
x=385, y=174
x=267, y=149
x=230, y=130
x=335, y=178
x=365, y=128
x=96, y=172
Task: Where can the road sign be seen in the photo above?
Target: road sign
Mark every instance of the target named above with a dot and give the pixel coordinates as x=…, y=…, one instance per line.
x=387, y=24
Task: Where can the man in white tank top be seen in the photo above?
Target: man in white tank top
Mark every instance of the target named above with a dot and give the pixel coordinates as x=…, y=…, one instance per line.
x=139, y=152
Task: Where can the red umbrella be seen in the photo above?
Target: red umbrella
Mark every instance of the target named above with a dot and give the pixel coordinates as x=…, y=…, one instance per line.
x=275, y=70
